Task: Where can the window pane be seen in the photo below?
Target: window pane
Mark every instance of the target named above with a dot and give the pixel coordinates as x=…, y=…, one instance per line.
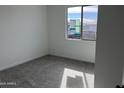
x=74, y=23
x=90, y=22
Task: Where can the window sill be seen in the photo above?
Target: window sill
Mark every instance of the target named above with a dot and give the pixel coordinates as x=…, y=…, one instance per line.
x=79, y=39
x=74, y=39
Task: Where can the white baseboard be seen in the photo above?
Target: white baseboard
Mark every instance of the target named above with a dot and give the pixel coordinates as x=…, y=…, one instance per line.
x=32, y=58
x=20, y=62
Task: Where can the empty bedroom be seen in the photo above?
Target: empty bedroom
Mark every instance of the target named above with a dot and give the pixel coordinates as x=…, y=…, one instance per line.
x=60, y=46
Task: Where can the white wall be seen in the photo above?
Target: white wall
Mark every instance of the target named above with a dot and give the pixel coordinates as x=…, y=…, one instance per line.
x=58, y=45
x=23, y=34
x=109, y=46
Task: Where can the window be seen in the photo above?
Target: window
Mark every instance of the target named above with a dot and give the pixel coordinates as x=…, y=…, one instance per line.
x=82, y=22
x=74, y=23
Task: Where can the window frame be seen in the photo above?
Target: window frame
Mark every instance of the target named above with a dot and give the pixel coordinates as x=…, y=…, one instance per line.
x=81, y=29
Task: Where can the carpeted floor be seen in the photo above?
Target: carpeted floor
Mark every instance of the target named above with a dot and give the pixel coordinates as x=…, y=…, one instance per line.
x=49, y=72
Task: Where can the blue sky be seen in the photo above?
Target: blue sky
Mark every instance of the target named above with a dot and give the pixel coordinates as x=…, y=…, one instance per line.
x=89, y=15
x=85, y=15
x=89, y=12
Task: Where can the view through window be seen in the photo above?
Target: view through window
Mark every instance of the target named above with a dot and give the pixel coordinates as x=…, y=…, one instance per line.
x=74, y=23
x=82, y=22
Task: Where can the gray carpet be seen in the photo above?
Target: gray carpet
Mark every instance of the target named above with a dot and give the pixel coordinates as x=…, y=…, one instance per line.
x=49, y=72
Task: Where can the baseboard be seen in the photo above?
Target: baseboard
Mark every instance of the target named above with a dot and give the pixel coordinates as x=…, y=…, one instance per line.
x=71, y=58
x=21, y=62
x=33, y=58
